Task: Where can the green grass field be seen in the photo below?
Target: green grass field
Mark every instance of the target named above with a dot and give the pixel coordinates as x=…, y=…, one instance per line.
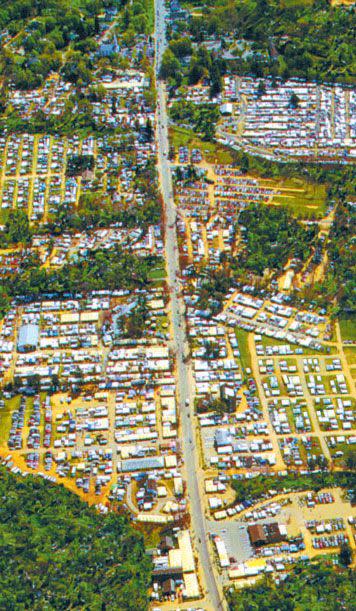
x=162, y=324
x=5, y=418
x=308, y=203
x=350, y=353
x=245, y=356
x=157, y=273
x=4, y=215
x=348, y=328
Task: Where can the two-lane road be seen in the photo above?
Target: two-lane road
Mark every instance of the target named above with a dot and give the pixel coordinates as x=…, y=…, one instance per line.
x=185, y=390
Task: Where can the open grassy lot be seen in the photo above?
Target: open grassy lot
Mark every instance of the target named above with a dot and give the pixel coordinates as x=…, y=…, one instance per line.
x=314, y=451
x=213, y=152
x=152, y=533
x=162, y=324
x=245, y=356
x=350, y=353
x=5, y=418
x=157, y=273
x=4, y=214
x=348, y=329
x=303, y=199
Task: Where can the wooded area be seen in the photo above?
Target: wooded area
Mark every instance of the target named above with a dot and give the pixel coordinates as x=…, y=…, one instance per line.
x=316, y=587
x=76, y=558
x=311, y=40
x=272, y=236
x=99, y=270
x=54, y=35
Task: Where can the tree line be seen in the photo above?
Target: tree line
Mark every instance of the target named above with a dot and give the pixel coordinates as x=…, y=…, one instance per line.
x=258, y=488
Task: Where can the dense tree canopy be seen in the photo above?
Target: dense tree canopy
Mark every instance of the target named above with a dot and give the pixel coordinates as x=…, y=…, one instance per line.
x=202, y=117
x=52, y=35
x=17, y=229
x=342, y=255
x=57, y=553
x=315, y=587
x=271, y=236
x=169, y=65
x=99, y=270
x=308, y=39
x=258, y=487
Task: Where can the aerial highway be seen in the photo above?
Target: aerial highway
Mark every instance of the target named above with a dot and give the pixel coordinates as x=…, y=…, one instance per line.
x=180, y=342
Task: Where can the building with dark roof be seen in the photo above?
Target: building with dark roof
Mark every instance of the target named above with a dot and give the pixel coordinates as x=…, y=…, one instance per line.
x=168, y=587
x=275, y=532
x=264, y=534
x=257, y=534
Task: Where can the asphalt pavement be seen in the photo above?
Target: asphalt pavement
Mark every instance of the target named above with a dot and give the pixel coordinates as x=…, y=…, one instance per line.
x=180, y=342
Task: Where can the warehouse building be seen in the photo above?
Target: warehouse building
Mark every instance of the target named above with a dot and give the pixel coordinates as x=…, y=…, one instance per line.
x=141, y=464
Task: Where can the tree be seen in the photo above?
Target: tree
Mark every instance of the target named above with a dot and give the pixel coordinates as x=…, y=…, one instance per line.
x=77, y=68
x=181, y=47
x=149, y=130
x=315, y=587
x=77, y=164
x=211, y=350
x=216, y=80
x=140, y=24
x=322, y=462
x=54, y=383
x=135, y=323
x=350, y=459
x=271, y=236
x=4, y=302
x=294, y=100
x=17, y=228
x=261, y=89
x=244, y=163
x=345, y=555
x=196, y=72
x=170, y=65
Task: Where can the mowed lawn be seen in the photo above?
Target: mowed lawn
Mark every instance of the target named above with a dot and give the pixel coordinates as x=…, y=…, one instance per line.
x=348, y=329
